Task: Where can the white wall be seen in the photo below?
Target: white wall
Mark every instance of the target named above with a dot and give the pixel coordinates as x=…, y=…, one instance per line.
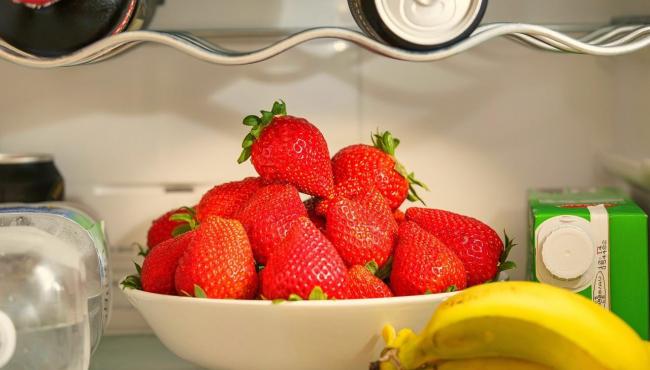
x=479, y=128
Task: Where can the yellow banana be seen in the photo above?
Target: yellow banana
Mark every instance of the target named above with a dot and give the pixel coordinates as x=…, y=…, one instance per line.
x=534, y=322
x=495, y=363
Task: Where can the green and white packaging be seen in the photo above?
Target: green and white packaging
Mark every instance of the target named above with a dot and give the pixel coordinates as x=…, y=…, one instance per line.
x=595, y=243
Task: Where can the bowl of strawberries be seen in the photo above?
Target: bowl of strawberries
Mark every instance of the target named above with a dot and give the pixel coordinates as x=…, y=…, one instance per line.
x=302, y=266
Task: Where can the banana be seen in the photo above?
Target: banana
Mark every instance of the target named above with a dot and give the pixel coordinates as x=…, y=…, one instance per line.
x=533, y=322
x=490, y=363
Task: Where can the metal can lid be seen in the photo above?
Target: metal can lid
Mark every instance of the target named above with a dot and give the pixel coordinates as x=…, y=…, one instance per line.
x=25, y=158
x=428, y=22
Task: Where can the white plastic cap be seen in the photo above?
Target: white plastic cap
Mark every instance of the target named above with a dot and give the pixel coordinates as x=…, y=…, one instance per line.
x=7, y=339
x=568, y=253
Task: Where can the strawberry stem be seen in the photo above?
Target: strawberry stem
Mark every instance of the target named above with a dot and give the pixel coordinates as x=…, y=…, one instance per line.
x=384, y=272
x=257, y=124
x=387, y=143
x=372, y=266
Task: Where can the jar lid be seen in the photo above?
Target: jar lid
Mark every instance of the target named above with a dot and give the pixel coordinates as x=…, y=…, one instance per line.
x=25, y=158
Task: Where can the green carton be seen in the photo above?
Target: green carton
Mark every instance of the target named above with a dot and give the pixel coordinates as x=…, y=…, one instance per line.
x=595, y=243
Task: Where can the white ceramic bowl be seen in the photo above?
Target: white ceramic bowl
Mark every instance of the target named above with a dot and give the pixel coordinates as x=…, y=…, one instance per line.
x=260, y=335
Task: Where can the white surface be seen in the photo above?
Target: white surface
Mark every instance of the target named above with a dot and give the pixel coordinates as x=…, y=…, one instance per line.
x=7, y=339
x=316, y=335
x=479, y=129
x=568, y=252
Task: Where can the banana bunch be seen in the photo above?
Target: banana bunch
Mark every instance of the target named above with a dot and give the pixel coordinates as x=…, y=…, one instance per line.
x=517, y=326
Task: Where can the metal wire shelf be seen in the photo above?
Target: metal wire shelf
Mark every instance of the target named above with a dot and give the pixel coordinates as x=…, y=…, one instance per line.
x=604, y=41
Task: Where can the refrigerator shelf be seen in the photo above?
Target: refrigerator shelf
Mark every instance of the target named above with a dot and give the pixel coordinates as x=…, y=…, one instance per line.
x=604, y=41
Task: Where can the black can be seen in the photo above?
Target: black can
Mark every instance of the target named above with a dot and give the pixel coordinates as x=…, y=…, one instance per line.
x=62, y=27
x=28, y=178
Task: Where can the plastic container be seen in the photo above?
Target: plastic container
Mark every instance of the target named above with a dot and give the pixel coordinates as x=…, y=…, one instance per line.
x=54, y=287
x=44, y=322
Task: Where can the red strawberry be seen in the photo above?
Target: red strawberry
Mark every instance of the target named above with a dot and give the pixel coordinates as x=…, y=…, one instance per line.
x=218, y=260
x=399, y=216
x=303, y=261
x=268, y=215
x=477, y=245
x=349, y=188
x=424, y=264
x=362, y=283
x=319, y=220
x=360, y=165
x=289, y=149
x=162, y=228
x=358, y=234
x=159, y=267
x=226, y=199
x=369, y=198
x=378, y=205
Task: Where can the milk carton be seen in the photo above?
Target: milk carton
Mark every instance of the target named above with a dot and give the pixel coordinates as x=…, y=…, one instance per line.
x=593, y=242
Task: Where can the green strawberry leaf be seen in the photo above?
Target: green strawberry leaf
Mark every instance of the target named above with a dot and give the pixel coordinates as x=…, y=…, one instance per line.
x=199, y=292
x=251, y=120
x=189, y=210
x=278, y=301
x=451, y=288
x=188, y=221
x=279, y=108
x=387, y=143
x=249, y=139
x=427, y=292
x=259, y=267
x=186, y=218
x=132, y=282
x=317, y=294
x=245, y=154
x=413, y=195
x=508, y=245
x=508, y=265
x=138, y=268
x=294, y=297
x=181, y=229
x=384, y=271
x=266, y=117
x=504, y=264
x=372, y=267
x=257, y=125
x=141, y=251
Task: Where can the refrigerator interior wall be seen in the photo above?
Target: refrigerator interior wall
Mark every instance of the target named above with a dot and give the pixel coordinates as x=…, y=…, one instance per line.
x=152, y=129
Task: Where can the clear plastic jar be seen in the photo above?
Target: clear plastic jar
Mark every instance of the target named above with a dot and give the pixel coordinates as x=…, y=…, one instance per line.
x=43, y=302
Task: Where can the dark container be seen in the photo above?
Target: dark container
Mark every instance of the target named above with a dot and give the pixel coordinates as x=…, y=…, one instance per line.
x=66, y=26
x=28, y=178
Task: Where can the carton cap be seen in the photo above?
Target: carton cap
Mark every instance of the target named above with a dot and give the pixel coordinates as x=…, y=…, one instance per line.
x=568, y=253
